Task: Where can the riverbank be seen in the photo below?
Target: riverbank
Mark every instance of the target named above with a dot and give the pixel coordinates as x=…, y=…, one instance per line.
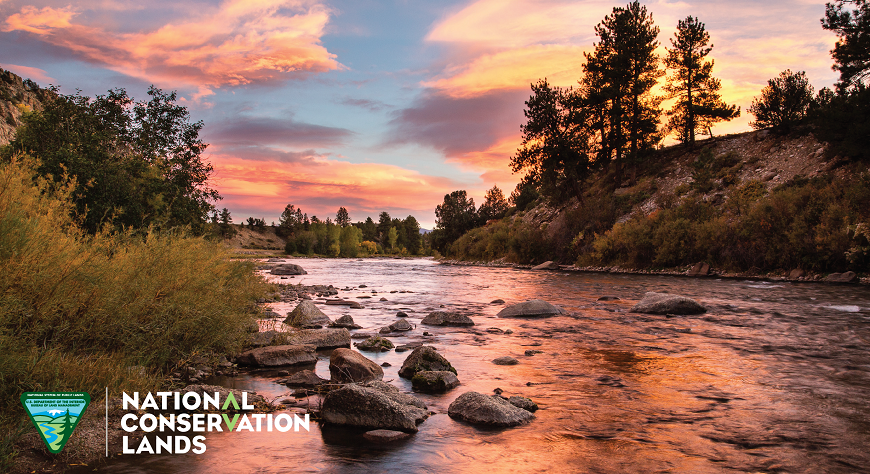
x=700, y=271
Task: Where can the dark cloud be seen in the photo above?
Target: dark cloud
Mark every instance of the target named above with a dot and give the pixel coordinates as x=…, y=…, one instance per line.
x=275, y=131
x=263, y=153
x=456, y=125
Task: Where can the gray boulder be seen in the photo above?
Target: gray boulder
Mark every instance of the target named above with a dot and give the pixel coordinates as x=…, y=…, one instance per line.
x=481, y=409
x=321, y=338
x=370, y=407
x=303, y=378
x=548, y=265
x=441, y=318
x=375, y=344
x=530, y=309
x=424, y=358
x=847, y=277
x=346, y=366
x=288, y=269
x=277, y=356
x=345, y=321
x=307, y=315
x=663, y=303
x=434, y=381
x=398, y=326
x=523, y=402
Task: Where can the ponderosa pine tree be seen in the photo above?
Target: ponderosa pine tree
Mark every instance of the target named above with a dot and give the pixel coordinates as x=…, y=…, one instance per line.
x=342, y=217
x=623, y=69
x=784, y=103
x=851, y=53
x=698, y=104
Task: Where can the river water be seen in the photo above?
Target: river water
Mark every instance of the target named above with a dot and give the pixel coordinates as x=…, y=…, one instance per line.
x=774, y=378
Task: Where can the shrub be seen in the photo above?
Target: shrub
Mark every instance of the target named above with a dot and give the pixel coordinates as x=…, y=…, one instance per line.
x=784, y=103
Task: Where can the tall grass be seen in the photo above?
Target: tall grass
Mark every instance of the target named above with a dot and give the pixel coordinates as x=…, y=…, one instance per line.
x=83, y=313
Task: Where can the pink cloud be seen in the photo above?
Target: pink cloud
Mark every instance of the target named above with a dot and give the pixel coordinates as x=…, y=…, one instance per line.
x=236, y=43
x=27, y=72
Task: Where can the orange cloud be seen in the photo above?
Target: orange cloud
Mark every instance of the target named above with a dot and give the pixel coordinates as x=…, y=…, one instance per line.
x=239, y=42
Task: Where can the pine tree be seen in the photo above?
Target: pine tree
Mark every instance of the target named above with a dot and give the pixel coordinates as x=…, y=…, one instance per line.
x=342, y=218
x=852, y=51
x=699, y=104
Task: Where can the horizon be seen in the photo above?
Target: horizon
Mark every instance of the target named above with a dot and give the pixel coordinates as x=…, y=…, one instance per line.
x=376, y=107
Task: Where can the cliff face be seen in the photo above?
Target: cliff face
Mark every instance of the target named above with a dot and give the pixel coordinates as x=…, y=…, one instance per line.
x=17, y=96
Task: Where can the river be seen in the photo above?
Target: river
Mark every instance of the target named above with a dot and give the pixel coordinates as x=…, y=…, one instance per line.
x=774, y=377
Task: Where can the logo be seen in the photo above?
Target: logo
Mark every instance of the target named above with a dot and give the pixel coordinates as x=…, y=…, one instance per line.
x=55, y=415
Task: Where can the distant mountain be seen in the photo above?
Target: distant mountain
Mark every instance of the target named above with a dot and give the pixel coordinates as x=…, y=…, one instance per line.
x=424, y=231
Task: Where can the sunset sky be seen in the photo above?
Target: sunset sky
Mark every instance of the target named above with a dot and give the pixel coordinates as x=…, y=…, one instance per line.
x=370, y=105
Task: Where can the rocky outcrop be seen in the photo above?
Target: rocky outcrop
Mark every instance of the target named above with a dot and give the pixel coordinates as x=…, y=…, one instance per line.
x=329, y=338
x=442, y=318
x=663, y=303
x=422, y=359
x=277, y=356
x=373, y=407
x=530, y=309
x=434, y=381
x=288, y=269
x=307, y=315
x=481, y=409
x=346, y=366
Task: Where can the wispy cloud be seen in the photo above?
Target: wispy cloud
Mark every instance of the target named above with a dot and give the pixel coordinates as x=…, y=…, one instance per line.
x=27, y=72
x=287, y=132
x=235, y=43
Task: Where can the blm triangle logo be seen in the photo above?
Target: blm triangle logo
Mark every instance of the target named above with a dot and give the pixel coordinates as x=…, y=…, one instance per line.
x=55, y=415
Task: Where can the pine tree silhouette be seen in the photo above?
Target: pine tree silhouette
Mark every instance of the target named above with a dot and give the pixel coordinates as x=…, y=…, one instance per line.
x=67, y=428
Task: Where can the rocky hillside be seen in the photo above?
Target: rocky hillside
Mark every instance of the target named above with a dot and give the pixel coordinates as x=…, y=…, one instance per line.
x=17, y=96
x=249, y=239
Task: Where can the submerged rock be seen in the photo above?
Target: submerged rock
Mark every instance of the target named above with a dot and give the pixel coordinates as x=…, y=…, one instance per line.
x=481, y=409
x=530, y=309
x=321, y=338
x=385, y=436
x=346, y=366
x=442, y=318
x=277, y=356
x=548, y=265
x=434, y=381
x=424, y=358
x=523, y=402
x=307, y=315
x=663, y=303
x=288, y=269
x=506, y=360
x=304, y=378
x=370, y=407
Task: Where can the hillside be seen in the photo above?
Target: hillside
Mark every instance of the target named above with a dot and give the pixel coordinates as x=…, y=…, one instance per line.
x=17, y=96
x=749, y=203
x=247, y=238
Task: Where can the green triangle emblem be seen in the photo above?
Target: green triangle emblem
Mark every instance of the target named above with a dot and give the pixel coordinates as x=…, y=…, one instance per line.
x=55, y=415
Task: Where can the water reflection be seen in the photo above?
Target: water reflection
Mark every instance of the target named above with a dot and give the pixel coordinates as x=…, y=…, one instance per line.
x=773, y=379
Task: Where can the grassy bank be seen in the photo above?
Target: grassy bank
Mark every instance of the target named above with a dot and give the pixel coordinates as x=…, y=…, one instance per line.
x=81, y=313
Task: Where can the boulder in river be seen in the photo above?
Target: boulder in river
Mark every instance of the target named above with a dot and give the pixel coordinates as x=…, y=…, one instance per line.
x=434, y=381
x=548, y=265
x=307, y=315
x=424, y=358
x=523, y=402
x=385, y=436
x=346, y=366
x=847, y=277
x=481, y=409
x=374, y=406
x=530, y=309
x=796, y=274
x=700, y=269
x=303, y=378
x=442, y=318
x=398, y=326
x=277, y=356
x=345, y=321
x=288, y=269
x=663, y=303
x=506, y=360
x=329, y=338
x=375, y=344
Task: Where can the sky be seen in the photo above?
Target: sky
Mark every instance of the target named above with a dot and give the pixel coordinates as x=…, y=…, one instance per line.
x=373, y=105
